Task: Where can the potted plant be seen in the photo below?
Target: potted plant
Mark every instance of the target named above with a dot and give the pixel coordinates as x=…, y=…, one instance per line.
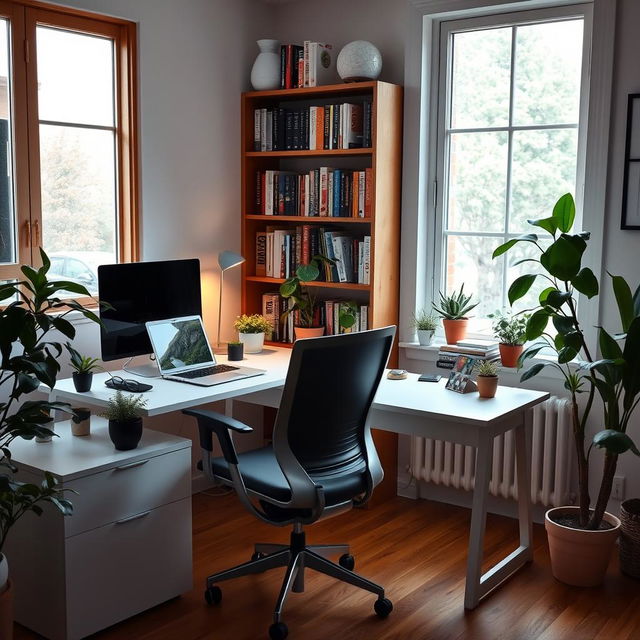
x=251, y=330
x=580, y=538
x=454, y=310
x=28, y=360
x=487, y=378
x=235, y=351
x=425, y=324
x=83, y=367
x=511, y=331
x=124, y=413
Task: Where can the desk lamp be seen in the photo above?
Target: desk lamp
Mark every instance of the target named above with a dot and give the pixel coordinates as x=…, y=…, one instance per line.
x=226, y=260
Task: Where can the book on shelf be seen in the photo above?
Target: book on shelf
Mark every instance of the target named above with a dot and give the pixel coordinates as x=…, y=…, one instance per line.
x=325, y=191
x=310, y=64
x=344, y=125
x=471, y=351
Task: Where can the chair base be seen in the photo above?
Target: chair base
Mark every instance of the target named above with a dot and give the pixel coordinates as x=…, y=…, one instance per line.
x=297, y=557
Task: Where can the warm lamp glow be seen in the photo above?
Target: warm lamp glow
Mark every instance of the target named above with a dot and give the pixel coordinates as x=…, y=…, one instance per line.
x=226, y=260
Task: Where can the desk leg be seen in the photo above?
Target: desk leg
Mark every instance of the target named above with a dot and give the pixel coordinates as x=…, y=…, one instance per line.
x=523, y=435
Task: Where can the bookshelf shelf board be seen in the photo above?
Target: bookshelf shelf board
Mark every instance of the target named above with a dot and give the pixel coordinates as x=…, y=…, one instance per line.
x=350, y=88
x=306, y=153
x=329, y=285
x=307, y=219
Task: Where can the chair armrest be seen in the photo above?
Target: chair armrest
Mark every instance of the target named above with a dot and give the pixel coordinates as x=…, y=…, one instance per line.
x=210, y=422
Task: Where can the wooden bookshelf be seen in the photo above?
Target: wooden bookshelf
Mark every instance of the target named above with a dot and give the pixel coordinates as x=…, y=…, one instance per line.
x=385, y=160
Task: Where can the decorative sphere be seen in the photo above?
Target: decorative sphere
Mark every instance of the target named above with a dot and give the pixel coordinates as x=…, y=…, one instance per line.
x=359, y=60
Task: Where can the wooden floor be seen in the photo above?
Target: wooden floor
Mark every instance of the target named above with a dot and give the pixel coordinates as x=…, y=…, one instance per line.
x=417, y=550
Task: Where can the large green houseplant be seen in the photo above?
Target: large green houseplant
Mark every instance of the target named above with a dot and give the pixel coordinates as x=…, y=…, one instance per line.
x=33, y=308
x=554, y=325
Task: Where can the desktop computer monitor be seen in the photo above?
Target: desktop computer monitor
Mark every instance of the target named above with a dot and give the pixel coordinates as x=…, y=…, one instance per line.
x=140, y=292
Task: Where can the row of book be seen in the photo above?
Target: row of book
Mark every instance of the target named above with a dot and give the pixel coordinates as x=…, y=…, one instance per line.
x=324, y=191
x=308, y=65
x=331, y=126
x=327, y=315
x=280, y=251
x=477, y=348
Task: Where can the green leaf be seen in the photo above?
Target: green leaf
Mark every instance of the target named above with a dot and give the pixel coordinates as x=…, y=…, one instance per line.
x=530, y=352
x=566, y=354
x=615, y=442
x=520, y=286
x=64, y=327
x=562, y=259
x=586, y=282
x=537, y=324
x=548, y=224
x=46, y=263
x=557, y=298
x=533, y=371
x=563, y=325
x=564, y=212
x=503, y=248
x=624, y=300
x=542, y=298
x=631, y=375
x=636, y=302
x=307, y=272
x=609, y=348
x=288, y=288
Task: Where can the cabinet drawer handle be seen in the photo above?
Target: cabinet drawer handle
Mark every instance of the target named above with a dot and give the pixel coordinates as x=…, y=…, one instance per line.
x=131, y=518
x=131, y=465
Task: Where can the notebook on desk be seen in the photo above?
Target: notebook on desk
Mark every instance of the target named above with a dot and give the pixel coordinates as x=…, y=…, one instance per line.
x=183, y=353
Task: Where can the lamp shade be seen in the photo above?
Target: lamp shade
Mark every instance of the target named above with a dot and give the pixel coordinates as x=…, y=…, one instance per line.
x=228, y=259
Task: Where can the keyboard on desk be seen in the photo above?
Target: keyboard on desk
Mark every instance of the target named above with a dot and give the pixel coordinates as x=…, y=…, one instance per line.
x=208, y=371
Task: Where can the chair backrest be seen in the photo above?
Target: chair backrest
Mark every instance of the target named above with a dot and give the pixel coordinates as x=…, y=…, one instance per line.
x=329, y=389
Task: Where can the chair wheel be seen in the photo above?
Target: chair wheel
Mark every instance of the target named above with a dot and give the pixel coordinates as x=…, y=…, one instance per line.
x=278, y=631
x=258, y=555
x=213, y=595
x=347, y=561
x=383, y=607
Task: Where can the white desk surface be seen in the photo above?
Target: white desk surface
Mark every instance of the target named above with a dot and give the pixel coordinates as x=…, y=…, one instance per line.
x=68, y=457
x=168, y=395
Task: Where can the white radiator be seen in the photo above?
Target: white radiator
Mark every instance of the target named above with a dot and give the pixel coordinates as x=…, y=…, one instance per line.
x=453, y=465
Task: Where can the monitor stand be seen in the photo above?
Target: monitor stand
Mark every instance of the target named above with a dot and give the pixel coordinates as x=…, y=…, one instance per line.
x=145, y=370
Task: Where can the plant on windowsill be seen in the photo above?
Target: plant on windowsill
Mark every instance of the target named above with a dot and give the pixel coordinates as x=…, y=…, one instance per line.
x=425, y=324
x=251, y=331
x=487, y=378
x=28, y=359
x=615, y=377
x=124, y=413
x=83, y=367
x=511, y=331
x=454, y=309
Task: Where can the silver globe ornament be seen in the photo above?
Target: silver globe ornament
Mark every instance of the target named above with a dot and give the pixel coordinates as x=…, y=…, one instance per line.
x=359, y=60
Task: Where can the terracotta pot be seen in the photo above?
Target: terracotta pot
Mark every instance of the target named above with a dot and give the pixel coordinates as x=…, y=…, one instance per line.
x=509, y=354
x=487, y=386
x=6, y=612
x=455, y=330
x=309, y=332
x=578, y=557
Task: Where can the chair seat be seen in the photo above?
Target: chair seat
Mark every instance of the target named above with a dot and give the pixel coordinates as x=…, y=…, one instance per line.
x=262, y=474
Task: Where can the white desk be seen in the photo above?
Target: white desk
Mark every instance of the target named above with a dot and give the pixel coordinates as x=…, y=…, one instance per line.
x=401, y=406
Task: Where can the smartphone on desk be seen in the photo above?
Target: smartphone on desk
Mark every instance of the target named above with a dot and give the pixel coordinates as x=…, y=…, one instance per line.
x=429, y=377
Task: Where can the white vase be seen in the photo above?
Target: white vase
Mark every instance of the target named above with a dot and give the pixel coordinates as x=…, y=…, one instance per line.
x=265, y=73
x=359, y=60
x=425, y=336
x=253, y=342
x=4, y=572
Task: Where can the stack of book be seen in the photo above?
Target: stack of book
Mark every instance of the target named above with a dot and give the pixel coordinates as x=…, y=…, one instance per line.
x=320, y=192
x=309, y=65
x=345, y=125
x=476, y=348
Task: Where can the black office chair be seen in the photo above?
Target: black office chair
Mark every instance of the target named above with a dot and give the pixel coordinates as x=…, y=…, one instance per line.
x=322, y=461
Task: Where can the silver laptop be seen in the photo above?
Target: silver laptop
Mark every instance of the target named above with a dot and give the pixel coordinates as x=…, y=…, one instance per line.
x=183, y=353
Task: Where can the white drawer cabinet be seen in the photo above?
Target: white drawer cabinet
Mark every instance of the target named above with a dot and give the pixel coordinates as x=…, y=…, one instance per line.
x=126, y=548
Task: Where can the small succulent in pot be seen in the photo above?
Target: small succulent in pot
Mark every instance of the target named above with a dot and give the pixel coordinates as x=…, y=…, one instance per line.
x=487, y=378
x=454, y=309
x=83, y=367
x=511, y=331
x=252, y=330
x=425, y=324
x=124, y=413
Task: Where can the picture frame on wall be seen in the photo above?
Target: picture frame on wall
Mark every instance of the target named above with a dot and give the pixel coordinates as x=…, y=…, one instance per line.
x=631, y=185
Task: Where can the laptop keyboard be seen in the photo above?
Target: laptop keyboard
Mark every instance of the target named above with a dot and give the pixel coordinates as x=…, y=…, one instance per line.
x=208, y=371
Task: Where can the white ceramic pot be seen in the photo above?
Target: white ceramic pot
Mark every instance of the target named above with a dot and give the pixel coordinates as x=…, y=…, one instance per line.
x=4, y=572
x=359, y=60
x=425, y=336
x=265, y=73
x=253, y=342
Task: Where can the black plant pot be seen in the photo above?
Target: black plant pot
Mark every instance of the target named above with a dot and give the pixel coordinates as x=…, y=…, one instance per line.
x=235, y=351
x=82, y=381
x=125, y=435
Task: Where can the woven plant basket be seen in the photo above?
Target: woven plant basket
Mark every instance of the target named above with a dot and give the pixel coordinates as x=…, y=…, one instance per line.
x=630, y=537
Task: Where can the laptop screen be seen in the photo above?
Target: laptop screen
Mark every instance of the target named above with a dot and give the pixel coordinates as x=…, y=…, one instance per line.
x=180, y=344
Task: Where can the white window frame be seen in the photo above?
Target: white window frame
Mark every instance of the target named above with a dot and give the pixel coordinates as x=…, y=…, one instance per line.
x=441, y=97
x=423, y=16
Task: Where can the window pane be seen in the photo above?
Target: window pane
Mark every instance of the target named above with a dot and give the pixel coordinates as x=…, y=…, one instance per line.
x=468, y=262
x=544, y=168
x=7, y=211
x=547, y=73
x=78, y=197
x=75, y=77
x=477, y=181
x=481, y=70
